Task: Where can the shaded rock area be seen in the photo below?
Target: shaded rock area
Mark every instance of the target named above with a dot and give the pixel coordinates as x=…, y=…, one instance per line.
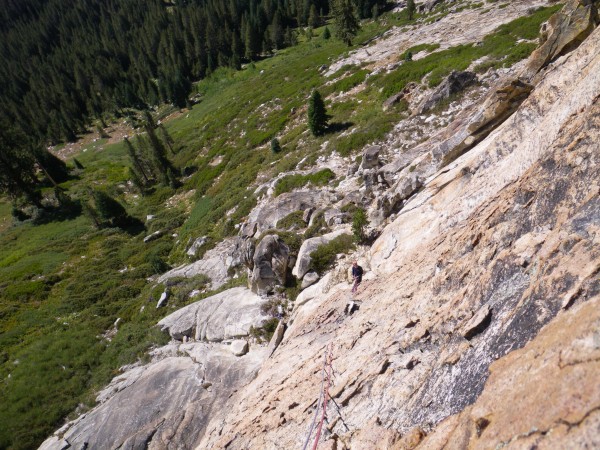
x=270, y=264
x=497, y=252
x=453, y=84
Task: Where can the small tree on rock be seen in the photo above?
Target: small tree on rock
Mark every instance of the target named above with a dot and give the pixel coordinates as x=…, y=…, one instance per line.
x=359, y=222
x=317, y=114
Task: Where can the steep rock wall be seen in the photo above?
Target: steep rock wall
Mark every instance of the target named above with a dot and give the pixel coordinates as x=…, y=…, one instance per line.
x=493, y=249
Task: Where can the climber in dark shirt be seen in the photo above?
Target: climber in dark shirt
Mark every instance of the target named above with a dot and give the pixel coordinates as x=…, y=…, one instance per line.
x=357, y=273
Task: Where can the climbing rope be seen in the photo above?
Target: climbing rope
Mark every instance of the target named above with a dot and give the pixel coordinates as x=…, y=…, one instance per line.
x=314, y=421
x=326, y=374
x=325, y=395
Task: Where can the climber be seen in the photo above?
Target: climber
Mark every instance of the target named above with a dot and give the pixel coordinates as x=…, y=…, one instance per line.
x=357, y=273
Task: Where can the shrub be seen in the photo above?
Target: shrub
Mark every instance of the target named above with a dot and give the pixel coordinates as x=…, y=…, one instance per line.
x=323, y=257
x=317, y=227
x=292, y=221
x=291, y=182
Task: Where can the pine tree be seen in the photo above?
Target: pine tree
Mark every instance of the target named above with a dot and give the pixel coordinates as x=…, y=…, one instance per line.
x=410, y=9
x=326, y=33
x=314, y=21
x=359, y=222
x=136, y=160
x=166, y=137
x=344, y=18
x=109, y=209
x=317, y=114
x=275, y=145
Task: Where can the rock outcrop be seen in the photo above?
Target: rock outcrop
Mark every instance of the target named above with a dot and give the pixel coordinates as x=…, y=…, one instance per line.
x=267, y=214
x=216, y=263
x=165, y=404
x=453, y=84
x=169, y=402
x=310, y=245
x=270, y=264
x=227, y=315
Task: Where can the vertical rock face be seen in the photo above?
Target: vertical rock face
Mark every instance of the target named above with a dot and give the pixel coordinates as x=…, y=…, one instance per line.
x=484, y=302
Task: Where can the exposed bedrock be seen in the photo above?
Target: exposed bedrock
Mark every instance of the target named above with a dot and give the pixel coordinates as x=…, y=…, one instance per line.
x=497, y=252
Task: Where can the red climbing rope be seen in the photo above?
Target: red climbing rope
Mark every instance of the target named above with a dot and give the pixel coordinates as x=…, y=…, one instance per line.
x=328, y=362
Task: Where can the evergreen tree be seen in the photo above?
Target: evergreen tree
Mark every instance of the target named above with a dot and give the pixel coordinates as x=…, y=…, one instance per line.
x=359, y=222
x=314, y=21
x=410, y=9
x=110, y=210
x=166, y=137
x=317, y=114
x=275, y=145
x=326, y=33
x=344, y=18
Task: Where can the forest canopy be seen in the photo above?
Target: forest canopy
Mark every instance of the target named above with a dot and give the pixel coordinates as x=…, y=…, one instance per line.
x=67, y=63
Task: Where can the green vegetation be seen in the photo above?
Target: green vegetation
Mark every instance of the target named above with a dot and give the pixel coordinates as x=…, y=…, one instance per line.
x=501, y=46
x=345, y=20
x=323, y=258
x=292, y=221
x=359, y=222
x=291, y=182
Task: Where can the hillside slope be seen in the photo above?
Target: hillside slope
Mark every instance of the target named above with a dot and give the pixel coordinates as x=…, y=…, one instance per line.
x=477, y=321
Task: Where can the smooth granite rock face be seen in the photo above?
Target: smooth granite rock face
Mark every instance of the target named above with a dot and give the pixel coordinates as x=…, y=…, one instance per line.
x=227, y=315
x=484, y=299
x=165, y=404
x=216, y=264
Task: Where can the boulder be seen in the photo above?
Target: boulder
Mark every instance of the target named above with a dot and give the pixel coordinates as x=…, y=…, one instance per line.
x=227, y=315
x=162, y=301
x=563, y=32
x=266, y=215
x=217, y=263
x=310, y=278
x=307, y=214
x=153, y=236
x=303, y=261
x=193, y=250
x=270, y=264
x=335, y=216
x=391, y=101
x=239, y=347
x=454, y=83
x=370, y=158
